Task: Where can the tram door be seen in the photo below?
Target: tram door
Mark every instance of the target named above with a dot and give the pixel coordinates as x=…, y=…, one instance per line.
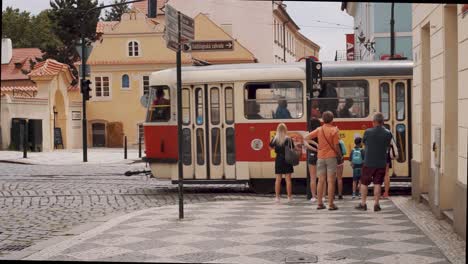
x=208, y=130
x=394, y=105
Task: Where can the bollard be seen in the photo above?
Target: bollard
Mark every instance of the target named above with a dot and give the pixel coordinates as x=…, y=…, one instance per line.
x=125, y=147
x=25, y=140
x=139, y=146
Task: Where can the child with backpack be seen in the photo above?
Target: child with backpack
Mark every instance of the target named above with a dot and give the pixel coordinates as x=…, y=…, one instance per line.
x=356, y=158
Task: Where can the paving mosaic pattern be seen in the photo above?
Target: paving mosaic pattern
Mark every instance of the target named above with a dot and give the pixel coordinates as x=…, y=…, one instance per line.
x=258, y=232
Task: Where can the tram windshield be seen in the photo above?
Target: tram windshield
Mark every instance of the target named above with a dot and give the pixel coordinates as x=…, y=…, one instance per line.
x=344, y=98
x=159, y=104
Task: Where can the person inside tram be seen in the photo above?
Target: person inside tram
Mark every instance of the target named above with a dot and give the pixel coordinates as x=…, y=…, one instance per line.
x=161, y=107
x=329, y=99
x=253, y=110
x=345, y=111
x=315, y=111
x=282, y=111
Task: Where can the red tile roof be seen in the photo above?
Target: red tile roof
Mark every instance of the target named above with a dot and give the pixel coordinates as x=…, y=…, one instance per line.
x=143, y=6
x=19, y=88
x=47, y=68
x=20, y=57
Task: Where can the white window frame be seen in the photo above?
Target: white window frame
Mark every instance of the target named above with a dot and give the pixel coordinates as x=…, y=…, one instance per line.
x=102, y=97
x=127, y=51
x=143, y=135
x=143, y=83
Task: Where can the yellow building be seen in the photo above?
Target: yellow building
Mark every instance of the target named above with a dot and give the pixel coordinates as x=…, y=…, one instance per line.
x=43, y=96
x=440, y=100
x=121, y=62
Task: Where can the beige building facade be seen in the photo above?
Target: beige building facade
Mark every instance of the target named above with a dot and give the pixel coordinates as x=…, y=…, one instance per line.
x=123, y=59
x=440, y=101
x=264, y=27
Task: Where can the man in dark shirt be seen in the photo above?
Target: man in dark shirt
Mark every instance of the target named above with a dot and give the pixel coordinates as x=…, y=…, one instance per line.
x=377, y=141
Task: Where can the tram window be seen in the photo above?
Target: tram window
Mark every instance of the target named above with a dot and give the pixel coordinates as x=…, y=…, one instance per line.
x=186, y=146
x=229, y=105
x=185, y=106
x=216, y=146
x=230, y=146
x=200, y=147
x=199, y=106
x=159, y=110
x=385, y=100
x=400, y=101
x=273, y=100
x=214, y=105
x=345, y=98
x=401, y=142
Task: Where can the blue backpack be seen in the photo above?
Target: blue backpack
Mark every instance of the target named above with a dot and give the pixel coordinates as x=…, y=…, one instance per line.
x=356, y=158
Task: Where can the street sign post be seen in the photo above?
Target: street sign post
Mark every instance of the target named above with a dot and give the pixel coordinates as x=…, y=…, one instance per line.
x=211, y=45
x=179, y=29
x=186, y=28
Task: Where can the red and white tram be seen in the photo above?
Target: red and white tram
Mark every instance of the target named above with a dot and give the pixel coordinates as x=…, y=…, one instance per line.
x=229, y=116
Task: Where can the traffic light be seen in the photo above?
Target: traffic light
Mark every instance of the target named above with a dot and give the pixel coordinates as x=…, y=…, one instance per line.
x=316, y=68
x=152, y=9
x=85, y=89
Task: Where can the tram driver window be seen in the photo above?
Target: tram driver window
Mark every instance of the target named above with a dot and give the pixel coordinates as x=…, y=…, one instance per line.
x=273, y=100
x=159, y=107
x=345, y=98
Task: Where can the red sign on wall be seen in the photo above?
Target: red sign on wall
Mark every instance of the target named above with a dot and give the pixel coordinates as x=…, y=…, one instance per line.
x=349, y=46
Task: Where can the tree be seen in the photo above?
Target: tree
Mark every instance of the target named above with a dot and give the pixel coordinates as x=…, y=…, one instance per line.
x=66, y=17
x=16, y=25
x=116, y=11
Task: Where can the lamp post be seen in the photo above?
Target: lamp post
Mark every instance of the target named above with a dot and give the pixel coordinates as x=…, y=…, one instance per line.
x=83, y=70
x=392, y=32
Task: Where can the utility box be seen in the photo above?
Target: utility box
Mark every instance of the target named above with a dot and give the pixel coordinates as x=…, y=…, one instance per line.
x=17, y=133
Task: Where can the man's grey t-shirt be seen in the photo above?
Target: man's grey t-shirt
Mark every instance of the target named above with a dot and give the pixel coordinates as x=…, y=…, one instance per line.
x=377, y=140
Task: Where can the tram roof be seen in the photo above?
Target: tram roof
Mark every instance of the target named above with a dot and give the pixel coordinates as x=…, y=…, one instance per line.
x=253, y=71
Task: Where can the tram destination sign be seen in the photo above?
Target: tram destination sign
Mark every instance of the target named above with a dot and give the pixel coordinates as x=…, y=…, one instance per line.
x=211, y=45
x=187, y=25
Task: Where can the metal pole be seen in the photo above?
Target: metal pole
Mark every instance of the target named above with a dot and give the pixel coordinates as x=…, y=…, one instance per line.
x=139, y=145
x=83, y=77
x=125, y=147
x=179, y=121
x=25, y=139
x=309, y=95
x=392, y=32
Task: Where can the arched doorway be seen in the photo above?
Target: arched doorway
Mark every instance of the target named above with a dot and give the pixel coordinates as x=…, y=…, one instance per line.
x=60, y=118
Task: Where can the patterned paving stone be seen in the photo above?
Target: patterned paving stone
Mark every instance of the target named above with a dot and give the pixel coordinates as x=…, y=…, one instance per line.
x=267, y=242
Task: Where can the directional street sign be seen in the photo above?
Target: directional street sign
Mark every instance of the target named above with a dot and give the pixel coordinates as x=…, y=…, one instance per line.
x=187, y=25
x=211, y=45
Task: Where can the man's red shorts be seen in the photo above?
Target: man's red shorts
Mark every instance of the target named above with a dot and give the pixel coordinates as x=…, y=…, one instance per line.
x=374, y=175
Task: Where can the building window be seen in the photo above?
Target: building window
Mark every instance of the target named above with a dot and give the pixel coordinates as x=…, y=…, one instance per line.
x=141, y=133
x=274, y=29
x=125, y=81
x=146, y=84
x=273, y=100
x=102, y=86
x=133, y=49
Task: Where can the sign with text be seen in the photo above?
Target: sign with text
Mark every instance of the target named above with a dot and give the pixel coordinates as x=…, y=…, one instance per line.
x=211, y=45
x=187, y=28
x=349, y=46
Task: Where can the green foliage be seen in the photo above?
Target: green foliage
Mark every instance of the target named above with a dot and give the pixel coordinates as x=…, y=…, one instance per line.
x=116, y=11
x=66, y=16
x=27, y=31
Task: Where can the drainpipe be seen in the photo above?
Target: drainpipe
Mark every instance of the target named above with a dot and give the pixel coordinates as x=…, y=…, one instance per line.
x=392, y=32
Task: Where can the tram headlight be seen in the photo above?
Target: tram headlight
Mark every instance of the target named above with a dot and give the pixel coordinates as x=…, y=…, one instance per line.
x=318, y=66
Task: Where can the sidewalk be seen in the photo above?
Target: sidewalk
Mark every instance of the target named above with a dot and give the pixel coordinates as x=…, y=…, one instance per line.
x=72, y=157
x=255, y=231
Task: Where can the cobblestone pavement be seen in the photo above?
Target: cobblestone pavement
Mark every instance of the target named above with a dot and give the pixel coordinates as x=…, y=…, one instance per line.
x=257, y=231
x=38, y=202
